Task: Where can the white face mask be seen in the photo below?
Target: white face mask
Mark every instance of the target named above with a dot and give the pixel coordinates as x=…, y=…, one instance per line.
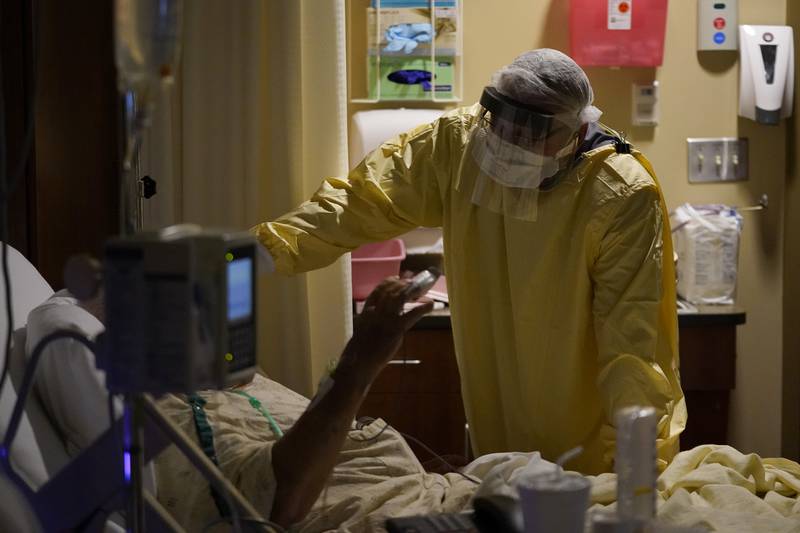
x=512, y=166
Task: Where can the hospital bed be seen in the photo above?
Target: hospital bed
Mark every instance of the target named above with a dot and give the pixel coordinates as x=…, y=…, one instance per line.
x=65, y=491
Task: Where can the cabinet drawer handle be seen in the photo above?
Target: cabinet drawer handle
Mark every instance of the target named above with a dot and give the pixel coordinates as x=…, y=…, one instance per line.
x=405, y=362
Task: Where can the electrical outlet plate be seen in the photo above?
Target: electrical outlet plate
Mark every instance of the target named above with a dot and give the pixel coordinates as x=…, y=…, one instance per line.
x=645, y=111
x=719, y=159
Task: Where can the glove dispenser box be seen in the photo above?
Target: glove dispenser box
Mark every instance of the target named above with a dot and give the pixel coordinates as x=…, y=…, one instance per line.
x=412, y=48
x=617, y=33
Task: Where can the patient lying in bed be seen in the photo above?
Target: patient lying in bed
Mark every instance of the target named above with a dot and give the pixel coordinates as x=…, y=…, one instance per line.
x=322, y=473
x=374, y=475
x=326, y=474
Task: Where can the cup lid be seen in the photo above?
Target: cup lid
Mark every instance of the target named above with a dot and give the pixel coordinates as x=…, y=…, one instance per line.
x=551, y=482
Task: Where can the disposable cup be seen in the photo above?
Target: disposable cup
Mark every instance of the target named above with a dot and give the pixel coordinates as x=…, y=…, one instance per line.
x=554, y=503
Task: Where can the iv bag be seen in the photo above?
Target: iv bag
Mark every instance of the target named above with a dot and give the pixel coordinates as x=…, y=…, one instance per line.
x=146, y=42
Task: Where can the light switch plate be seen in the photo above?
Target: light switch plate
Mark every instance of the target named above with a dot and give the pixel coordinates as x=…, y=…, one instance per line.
x=717, y=159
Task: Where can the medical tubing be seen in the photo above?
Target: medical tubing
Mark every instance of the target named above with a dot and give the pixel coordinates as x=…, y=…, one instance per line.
x=205, y=437
x=255, y=403
x=27, y=382
x=360, y=427
x=365, y=420
x=195, y=456
x=442, y=459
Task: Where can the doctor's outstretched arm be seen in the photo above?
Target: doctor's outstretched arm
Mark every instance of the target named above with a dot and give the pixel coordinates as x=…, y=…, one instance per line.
x=395, y=189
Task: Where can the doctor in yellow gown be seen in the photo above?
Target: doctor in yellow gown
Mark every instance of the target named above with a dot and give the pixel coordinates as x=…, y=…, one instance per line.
x=557, y=255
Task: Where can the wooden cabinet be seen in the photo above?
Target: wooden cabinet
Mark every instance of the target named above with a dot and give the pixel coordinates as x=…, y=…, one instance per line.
x=708, y=374
x=419, y=393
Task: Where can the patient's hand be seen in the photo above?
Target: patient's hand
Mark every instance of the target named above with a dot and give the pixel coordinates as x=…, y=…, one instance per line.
x=321, y=430
x=379, y=329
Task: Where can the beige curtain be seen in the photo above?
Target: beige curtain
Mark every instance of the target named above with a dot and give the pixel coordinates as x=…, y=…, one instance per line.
x=255, y=122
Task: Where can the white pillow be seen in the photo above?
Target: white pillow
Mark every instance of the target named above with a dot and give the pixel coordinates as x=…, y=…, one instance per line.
x=70, y=386
x=28, y=289
x=26, y=456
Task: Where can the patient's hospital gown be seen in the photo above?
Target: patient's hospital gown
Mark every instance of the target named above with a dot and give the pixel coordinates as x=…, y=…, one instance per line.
x=373, y=478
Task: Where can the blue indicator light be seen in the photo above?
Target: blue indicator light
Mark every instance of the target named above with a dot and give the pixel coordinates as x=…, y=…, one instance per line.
x=719, y=37
x=127, y=466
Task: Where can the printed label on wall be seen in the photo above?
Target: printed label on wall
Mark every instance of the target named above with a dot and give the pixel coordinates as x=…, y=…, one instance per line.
x=619, y=14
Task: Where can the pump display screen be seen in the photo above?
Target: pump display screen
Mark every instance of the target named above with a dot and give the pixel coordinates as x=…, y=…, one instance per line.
x=240, y=289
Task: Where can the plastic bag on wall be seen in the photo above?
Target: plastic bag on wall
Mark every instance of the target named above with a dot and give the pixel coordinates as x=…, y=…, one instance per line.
x=706, y=239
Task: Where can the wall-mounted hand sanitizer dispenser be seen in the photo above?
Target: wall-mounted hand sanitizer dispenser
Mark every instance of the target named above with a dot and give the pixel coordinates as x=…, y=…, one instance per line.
x=766, y=76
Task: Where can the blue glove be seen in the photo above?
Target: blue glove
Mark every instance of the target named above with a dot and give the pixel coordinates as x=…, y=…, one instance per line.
x=407, y=37
x=412, y=77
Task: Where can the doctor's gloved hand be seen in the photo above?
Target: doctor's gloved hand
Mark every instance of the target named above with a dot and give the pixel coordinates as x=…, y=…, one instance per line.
x=378, y=331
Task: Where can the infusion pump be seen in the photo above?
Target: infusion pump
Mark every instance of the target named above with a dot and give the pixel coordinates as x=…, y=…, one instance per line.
x=180, y=310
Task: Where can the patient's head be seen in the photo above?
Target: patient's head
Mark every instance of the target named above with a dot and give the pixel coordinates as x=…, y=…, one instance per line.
x=95, y=306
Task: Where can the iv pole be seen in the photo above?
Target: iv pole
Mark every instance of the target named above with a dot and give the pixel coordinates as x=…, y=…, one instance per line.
x=146, y=39
x=135, y=120
x=131, y=193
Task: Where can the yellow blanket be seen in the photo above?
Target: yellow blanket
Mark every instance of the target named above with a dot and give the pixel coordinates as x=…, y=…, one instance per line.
x=725, y=490
x=377, y=476
x=712, y=487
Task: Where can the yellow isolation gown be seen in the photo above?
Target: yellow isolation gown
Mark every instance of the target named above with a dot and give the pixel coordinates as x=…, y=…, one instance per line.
x=557, y=323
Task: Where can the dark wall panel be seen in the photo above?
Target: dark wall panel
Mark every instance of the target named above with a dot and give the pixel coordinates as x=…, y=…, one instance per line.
x=17, y=68
x=76, y=133
x=791, y=263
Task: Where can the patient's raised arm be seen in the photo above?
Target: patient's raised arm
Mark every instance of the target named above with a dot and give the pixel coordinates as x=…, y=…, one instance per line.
x=304, y=458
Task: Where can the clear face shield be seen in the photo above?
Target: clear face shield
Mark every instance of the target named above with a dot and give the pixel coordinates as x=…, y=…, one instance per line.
x=515, y=148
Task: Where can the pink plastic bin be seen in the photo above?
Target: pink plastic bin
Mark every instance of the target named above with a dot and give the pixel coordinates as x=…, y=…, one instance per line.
x=374, y=262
